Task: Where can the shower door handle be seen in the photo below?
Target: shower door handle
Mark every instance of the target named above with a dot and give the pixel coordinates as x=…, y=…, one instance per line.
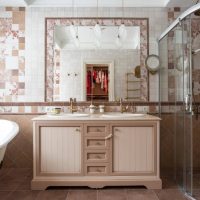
x=188, y=107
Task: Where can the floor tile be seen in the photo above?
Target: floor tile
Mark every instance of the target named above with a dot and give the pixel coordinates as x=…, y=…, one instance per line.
x=141, y=195
x=4, y=172
x=112, y=194
x=169, y=183
x=196, y=193
x=170, y=194
x=23, y=195
x=24, y=185
x=16, y=175
x=4, y=195
x=82, y=195
x=8, y=185
x=52, y=195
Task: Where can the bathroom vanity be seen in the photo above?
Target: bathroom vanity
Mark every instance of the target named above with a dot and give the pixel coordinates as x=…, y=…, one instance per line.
x=96, y=150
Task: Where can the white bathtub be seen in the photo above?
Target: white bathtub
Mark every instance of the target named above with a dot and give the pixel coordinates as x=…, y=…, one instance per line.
x=8, y=130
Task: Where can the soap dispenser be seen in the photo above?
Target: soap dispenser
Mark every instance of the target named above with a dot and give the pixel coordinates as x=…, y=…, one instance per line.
x=92, y=108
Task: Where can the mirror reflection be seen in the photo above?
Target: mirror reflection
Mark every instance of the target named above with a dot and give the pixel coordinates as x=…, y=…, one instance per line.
x=92, y=65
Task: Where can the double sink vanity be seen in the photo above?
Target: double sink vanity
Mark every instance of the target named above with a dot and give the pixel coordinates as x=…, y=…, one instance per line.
x=96, y=150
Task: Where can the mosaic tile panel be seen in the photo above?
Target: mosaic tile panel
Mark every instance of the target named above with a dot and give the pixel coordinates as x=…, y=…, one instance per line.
x=196, y=58
x=12, y=54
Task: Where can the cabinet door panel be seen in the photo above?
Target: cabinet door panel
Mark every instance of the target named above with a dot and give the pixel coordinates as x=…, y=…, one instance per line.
x=60, y=149
x=133, y=149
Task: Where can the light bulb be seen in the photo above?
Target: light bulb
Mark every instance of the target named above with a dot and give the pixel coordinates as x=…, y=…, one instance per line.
x=76, y=41
x=72, y=30
x=97, y=30
x=118, y=42
x=122, y=31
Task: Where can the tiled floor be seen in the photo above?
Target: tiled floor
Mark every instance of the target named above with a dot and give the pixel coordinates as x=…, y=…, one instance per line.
x=15, y=185
x=196, y=185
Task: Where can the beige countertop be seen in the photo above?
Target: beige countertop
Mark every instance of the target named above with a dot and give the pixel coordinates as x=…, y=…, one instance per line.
x=98, y=117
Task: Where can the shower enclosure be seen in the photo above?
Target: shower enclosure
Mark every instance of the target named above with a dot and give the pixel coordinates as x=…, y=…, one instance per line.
x=179, y=51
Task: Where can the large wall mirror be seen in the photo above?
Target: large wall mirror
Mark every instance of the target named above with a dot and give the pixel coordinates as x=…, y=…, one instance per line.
x=96, y=63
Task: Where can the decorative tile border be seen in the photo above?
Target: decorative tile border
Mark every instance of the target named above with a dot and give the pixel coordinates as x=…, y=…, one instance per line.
x=12, y=54
x=52, y=73
x=44, y=107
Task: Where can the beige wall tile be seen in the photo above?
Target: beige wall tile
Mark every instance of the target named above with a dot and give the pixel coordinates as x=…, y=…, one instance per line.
x=18, y=17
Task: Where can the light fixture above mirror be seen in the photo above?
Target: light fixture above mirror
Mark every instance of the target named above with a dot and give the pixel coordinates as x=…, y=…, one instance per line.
x=87, y=40
x=122, y=28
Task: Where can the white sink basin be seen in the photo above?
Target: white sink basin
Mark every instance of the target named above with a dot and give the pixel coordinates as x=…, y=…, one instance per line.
x=76, y=115
x=119, y=115
x=69, y=115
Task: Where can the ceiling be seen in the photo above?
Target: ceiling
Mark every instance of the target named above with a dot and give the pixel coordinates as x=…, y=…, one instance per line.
x=87, y=39
x=93, y=3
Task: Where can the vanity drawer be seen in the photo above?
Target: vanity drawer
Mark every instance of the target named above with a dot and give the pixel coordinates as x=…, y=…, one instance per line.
x=96, y=169
x=96, y=130
x=96, y=143
x=96, y=156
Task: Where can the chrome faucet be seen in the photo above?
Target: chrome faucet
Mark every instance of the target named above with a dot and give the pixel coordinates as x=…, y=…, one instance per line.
x=122, y=108
x=72, y=107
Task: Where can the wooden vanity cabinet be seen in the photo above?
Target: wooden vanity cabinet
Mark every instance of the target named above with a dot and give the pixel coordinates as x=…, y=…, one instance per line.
x=134, y=148
x=57, y=149
x=96, y=153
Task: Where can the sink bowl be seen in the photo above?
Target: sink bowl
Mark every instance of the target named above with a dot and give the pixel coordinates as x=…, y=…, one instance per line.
x=69, y=115
x=76, y=115
x=119, y=115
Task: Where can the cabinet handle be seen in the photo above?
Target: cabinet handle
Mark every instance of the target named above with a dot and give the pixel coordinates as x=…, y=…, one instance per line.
x=108, y=137
x=97, y=156
x=116, y=129
x=98, y=170
x=77, y=130
x=98, y=130
x=98, y=143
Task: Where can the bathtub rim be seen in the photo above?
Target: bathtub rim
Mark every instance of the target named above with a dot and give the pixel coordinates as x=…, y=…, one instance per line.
x=15, y=131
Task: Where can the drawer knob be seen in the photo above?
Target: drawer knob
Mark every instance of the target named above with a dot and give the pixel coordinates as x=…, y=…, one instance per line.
x=77, y=130
x=98, y=130
x=98, y=170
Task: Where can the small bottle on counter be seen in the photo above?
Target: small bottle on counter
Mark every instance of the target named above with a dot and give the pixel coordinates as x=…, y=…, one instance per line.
x=101, y=108
x=92, y=108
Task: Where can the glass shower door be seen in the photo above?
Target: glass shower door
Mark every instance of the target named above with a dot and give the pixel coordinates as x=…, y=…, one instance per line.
x=183, y=102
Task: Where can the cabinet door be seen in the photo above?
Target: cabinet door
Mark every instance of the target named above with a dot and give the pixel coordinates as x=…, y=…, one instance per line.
x=60, y=150
x=133, y=150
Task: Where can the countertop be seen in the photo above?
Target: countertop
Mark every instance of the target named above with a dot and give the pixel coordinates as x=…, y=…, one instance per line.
x=97, y=117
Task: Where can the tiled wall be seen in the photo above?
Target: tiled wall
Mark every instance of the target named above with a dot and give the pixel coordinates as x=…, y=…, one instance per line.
x=35, y=18
x=12, y=54
x=170, y=54
x=22, y=50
